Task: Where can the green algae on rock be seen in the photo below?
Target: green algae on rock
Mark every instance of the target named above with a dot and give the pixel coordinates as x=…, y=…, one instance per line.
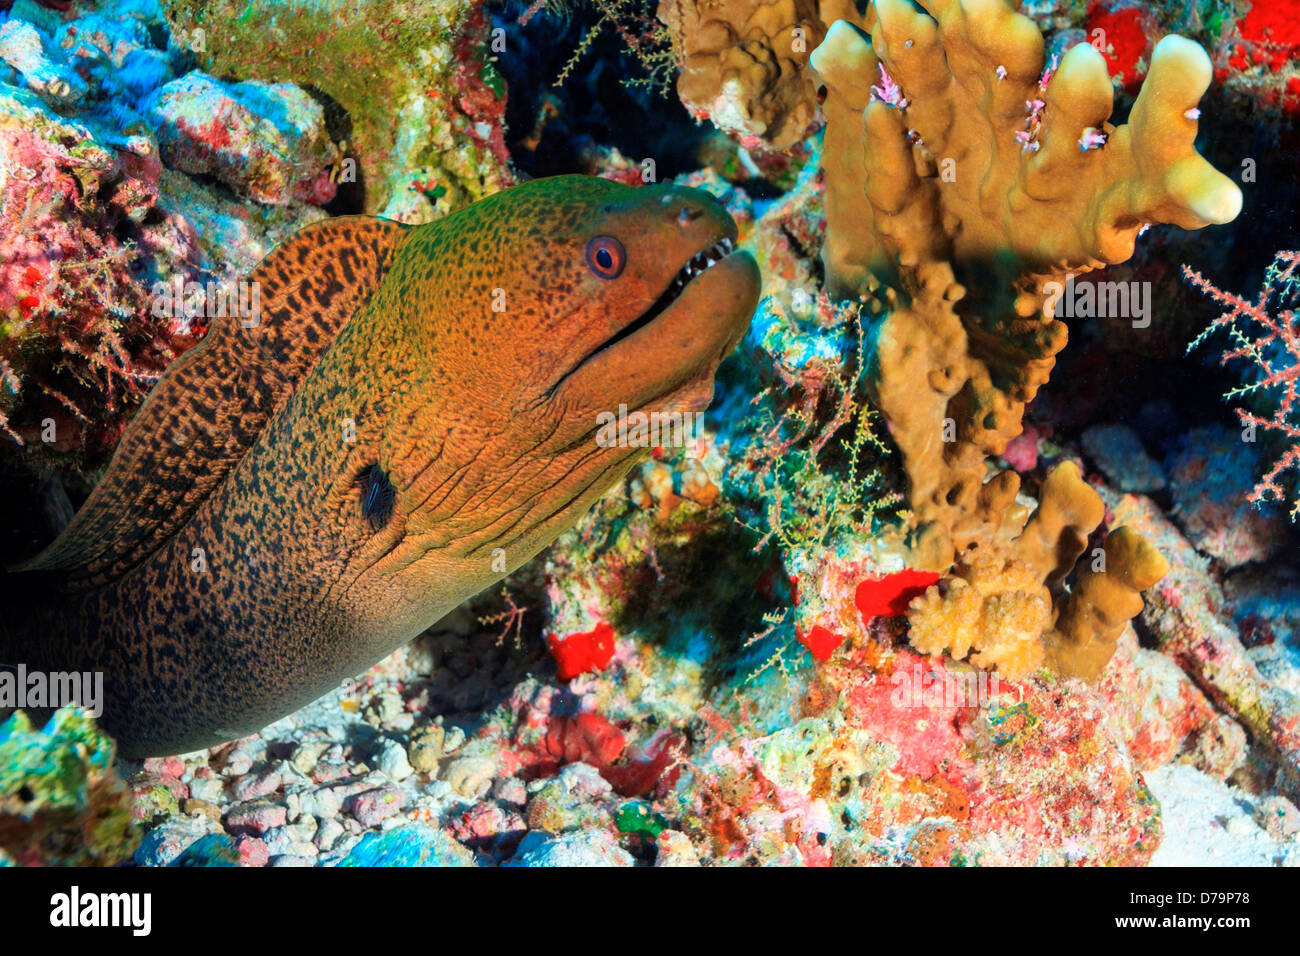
x=61, y=800
x=417, y=92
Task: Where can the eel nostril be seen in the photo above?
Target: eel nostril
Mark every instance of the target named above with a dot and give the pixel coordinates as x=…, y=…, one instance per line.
x=378, y=496
x=687, y=215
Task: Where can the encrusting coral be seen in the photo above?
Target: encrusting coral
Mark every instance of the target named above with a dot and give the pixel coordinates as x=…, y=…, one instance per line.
x=61, y=799
x=101, y=117
x=745, y=62
x=999, y=598
x=418, y=100
x=964, y=177
x=991, y=603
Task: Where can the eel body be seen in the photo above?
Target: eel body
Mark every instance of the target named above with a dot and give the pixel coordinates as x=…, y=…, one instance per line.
x=412, y=416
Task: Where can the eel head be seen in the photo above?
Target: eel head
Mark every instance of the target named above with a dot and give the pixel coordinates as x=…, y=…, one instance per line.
x=568, y=300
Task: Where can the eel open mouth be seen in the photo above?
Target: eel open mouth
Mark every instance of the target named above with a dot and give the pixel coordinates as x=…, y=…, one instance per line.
x=696, y=266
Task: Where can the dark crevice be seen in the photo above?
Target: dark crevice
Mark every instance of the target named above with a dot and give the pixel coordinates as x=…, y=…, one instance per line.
x=552, y=130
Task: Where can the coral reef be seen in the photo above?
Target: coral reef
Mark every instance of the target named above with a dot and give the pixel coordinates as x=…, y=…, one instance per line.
x=1163, y=717
x=1211, y=477
x=882, y=777
x=1079, y=646
x=418, y=101
x=1185, y=614
x=78, y=343
x=1119, y=453
x=61, y=799
x=876, y=755
x=745, y=62
x=99, y=107
x=262, y=139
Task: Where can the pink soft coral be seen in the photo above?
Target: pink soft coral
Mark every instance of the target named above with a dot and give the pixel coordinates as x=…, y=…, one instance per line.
x=1267, y=333
x=79, y=344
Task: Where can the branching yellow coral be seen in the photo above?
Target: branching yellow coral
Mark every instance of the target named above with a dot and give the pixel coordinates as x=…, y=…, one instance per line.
x=965, y=176
x=1102, y=602
x=957, y=190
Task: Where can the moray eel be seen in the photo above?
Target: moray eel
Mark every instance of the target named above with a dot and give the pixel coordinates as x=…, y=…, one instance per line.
x=413, y=416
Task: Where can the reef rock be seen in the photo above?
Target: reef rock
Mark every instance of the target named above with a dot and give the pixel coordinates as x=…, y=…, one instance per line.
x=61, y=800
x=262, y=139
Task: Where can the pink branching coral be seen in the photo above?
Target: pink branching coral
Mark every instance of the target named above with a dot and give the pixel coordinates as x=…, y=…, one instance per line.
x=1266, y=333
x=78, y=342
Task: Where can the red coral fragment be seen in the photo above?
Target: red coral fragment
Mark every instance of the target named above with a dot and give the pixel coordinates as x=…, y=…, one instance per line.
x=889, y=596
x=658, y=763
x=1273, y=29
x=578, y=653
x=586, y=737
x=319, y=190
x=820, y=641
x=591, y=739
x=1128, y=32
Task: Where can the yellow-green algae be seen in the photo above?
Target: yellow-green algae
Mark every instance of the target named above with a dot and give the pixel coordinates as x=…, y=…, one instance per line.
x=390, y=65
x=61, y=801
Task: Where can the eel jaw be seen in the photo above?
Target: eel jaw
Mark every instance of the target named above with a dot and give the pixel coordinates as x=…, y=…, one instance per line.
x=696, y=266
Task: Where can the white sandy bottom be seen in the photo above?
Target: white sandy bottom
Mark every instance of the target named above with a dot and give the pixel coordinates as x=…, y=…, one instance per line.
x=1209, y=823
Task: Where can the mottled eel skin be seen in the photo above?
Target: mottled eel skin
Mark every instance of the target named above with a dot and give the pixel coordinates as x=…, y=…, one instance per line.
x=240, y=557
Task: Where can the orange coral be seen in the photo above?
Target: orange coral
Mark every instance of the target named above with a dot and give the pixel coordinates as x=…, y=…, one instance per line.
x=662, y=488
x=998, y=600
x=745, y=62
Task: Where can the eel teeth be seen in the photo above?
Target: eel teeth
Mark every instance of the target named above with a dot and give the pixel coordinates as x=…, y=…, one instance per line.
x=701, y=262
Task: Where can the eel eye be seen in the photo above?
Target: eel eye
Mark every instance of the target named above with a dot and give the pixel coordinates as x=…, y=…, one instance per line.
x=605, y=257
